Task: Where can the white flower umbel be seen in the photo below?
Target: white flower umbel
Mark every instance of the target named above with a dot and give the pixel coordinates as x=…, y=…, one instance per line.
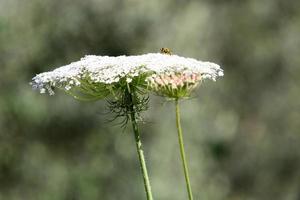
x=96, y=76
x=92, y=76
x=176, y=77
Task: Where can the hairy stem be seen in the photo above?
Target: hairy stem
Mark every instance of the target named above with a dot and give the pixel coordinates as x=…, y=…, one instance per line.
x=140, y=150
x=182, y=152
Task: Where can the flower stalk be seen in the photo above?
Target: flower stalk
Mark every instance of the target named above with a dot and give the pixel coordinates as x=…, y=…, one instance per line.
x=182, y=151
x=139, y=146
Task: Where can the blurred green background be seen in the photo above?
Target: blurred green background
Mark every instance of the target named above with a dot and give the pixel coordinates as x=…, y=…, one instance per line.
x=241, y=133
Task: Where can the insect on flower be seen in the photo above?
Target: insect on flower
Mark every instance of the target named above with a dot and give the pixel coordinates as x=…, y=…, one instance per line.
x=165, y=51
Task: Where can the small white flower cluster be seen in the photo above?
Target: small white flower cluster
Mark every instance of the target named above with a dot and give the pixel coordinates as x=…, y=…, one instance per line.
x=178, y=77
x=94, y=69
x=110, y=70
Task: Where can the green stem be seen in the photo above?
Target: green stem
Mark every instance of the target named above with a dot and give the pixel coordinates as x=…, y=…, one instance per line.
x=182, y=152
x=140, y=152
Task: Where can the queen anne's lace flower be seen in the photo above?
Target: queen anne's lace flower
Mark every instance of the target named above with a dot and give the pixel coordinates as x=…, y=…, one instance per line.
x=178, y=76
x=97, y=76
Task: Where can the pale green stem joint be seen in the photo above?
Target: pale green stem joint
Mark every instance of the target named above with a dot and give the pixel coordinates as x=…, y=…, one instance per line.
x=182, y=152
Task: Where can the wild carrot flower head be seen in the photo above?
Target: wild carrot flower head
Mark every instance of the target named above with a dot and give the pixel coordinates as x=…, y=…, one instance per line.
x=93, y=77
x=96, y=77
x=176, y=77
